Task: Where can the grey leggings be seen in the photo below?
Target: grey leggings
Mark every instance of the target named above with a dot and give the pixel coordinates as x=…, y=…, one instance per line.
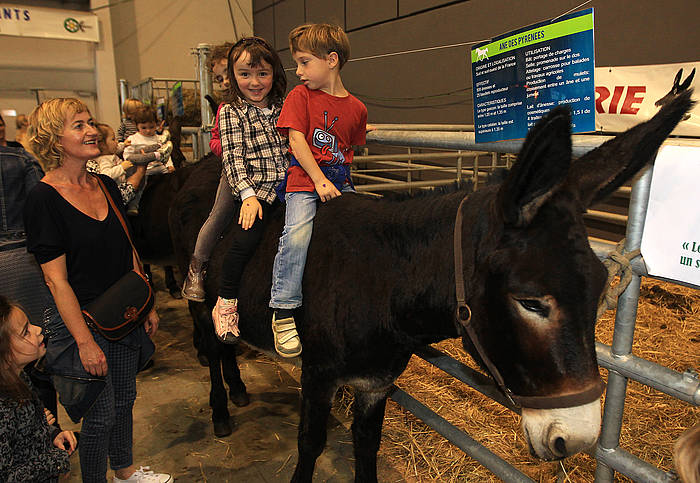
x=218, y=220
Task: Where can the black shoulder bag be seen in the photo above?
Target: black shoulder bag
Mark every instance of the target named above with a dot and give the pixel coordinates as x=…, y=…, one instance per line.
x=123, y=306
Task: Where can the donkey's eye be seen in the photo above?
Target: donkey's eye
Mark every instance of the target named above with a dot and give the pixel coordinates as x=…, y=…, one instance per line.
x=534, y=305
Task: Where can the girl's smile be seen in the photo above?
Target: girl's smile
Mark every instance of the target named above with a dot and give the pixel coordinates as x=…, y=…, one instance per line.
x=254, y=81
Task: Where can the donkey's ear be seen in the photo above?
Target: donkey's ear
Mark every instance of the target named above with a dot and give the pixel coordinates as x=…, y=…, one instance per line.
x=687, y=81
x=541, y=167
x=601, y=171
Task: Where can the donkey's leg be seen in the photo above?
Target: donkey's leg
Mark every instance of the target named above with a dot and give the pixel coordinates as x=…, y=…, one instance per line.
x=368, y=409
x=210, y=345
x=171, y=283
x=317, y=395
x=218, y=401
x=232, y=376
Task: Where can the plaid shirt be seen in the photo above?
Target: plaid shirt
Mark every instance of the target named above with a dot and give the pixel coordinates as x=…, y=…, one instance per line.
x=254, y=152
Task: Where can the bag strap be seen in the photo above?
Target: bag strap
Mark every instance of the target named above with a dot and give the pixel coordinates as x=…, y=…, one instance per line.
x=121, y=220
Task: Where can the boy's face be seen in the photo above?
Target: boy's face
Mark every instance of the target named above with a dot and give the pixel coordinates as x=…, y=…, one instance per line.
x=220, y=73
x=147, y=129
x=315, y=72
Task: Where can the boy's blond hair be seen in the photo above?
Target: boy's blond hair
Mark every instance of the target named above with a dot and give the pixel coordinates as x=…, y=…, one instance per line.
x=46, y=125
x=321, y=39
x=130, y=107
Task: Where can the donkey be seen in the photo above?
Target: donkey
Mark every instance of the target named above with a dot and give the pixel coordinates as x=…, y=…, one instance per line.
x=676, y=88
x=508, y=268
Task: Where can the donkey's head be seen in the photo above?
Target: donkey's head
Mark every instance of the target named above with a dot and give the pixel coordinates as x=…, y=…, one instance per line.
x=536, y=283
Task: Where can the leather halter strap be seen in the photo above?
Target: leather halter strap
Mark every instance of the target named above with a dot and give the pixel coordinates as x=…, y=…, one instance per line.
x=463, y=319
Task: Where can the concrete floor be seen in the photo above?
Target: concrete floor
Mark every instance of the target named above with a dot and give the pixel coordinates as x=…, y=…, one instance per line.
x=172, y=419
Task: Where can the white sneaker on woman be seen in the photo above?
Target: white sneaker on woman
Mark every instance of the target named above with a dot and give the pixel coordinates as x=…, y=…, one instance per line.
x=145, y=475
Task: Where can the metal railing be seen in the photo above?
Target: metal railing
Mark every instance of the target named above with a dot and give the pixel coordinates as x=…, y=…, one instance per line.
x=617, y=358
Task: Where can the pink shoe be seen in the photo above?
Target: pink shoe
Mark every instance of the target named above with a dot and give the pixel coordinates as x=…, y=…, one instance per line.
x=225, y=316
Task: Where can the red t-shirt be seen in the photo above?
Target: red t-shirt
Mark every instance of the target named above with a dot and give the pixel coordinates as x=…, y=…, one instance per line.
x=332, y=125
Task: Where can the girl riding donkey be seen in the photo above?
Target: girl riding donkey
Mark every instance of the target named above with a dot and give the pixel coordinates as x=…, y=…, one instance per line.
x=254, y=162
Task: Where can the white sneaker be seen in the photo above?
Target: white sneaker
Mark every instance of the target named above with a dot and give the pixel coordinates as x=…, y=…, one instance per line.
x=145, y=475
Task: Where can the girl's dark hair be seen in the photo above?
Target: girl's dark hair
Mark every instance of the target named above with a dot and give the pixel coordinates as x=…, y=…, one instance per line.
x=145, y=114
x=258, y=49
x=11, y=385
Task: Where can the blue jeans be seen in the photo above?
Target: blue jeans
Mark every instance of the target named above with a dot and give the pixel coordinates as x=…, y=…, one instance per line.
x=288, y=268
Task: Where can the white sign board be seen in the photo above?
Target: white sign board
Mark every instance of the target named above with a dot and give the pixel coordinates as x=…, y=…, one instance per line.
x=48, y=23
x=626, y=96
x=671, y=239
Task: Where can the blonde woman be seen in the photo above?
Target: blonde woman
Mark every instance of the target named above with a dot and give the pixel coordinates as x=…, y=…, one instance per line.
x=82, y=249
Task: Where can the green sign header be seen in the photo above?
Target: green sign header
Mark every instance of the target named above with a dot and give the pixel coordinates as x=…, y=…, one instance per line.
x=534, y=36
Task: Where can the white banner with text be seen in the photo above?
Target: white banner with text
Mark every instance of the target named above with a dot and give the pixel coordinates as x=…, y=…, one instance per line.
x=626, y=96
x=671, y=239
x=48, y=23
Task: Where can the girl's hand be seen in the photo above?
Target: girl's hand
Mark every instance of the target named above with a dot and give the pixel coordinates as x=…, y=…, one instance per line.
x=66, y=441
x=151, y=323
x=250, y=208
x=326, y=190
x=50, y=418
x=92, y=357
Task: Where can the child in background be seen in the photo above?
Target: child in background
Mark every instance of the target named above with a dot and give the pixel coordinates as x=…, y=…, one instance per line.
x=109, y=163
x=30, y=449
x=146, y=141
x=221, y=211
x=323, y=120
x=21, y=123
x=254, y=162
x=128, y=126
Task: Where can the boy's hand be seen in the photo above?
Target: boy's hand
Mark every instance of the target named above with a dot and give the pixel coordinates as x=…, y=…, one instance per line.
x=326, y=190
x=250, y=208
x=171, y=169
x=370, y=127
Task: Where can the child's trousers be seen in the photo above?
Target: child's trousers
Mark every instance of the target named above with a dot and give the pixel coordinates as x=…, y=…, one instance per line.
x=243, y=245
x=217, y=221
x=288, y=268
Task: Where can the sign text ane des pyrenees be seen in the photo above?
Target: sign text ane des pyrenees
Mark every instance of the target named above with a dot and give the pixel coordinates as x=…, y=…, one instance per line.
x=520, y=76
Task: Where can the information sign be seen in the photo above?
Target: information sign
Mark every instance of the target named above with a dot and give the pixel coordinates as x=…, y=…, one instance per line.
x=671, y=238
x=520, y=76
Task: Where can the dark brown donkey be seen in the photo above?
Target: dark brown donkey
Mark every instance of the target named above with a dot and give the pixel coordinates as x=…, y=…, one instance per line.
x=380, y=283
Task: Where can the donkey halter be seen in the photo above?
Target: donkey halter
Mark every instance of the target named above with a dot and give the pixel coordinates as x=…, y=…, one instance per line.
x=463, y=320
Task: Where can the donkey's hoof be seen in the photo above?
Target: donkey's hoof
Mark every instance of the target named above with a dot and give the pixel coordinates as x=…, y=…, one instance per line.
x=203, y=361
x=222, y=428
x=240, y=399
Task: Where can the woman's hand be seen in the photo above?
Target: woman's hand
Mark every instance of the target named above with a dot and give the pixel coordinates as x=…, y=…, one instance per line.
x=151, y=323
x=92, y=357
x=250, y=208
x=66, y=441
x=50, y=418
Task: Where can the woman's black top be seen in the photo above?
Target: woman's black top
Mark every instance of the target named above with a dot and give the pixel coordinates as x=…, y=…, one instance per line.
x=97, y=252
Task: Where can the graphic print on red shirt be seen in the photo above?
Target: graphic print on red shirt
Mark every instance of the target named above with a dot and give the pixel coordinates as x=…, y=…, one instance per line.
x=330, y=124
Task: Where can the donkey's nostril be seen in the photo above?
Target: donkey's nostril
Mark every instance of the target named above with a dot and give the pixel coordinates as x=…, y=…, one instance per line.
x=560, y=446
